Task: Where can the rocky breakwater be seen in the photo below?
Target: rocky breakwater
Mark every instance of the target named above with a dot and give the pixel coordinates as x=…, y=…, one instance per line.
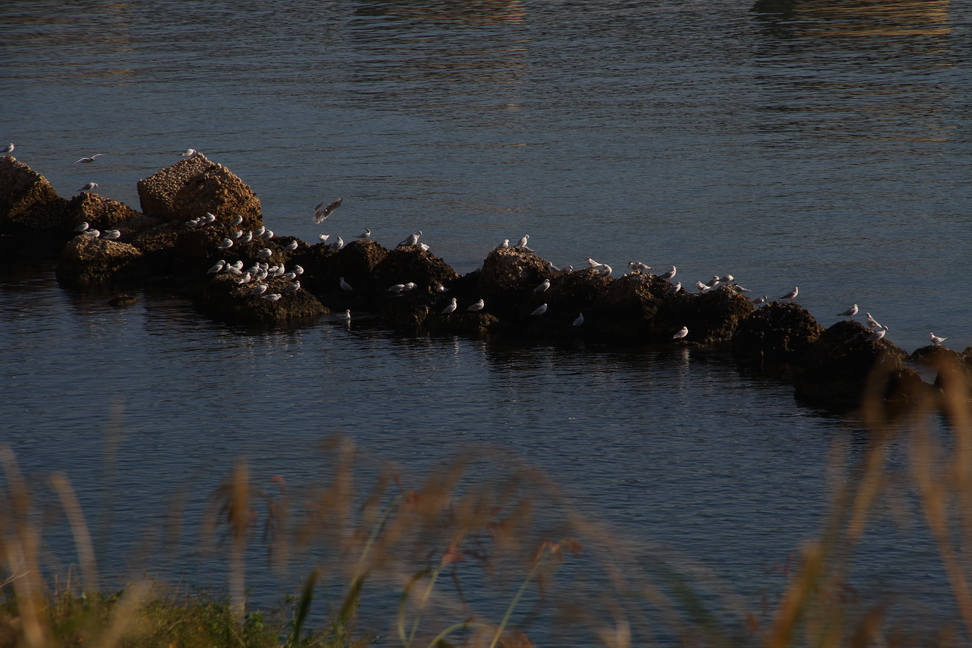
x=200, y=231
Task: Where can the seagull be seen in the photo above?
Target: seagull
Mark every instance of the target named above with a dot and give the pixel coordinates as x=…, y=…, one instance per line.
x=872, y=323
x=226, y=244
x=189, y=153
x=397, y=288
x=552, y=268
x=424, y=247
x=713, y=282
x=321, y=212
x=605, y=270
x=89, y=160
x=540, y=310
x=935, y=339
x=294, y=287
x=267, y=235
x=727, y=279
x=345, y=285
x=265, y=253
x=440, y=288
x=674, y=289
x=9, y=149
x=233, y=270
x=638, y=266
x=579, y=320
x=542, y=287
x=208, y=218
x=411, y=240
x=260, y=231
x=594, y=264
x=850, y=312
x=237, y=221
x=291, y=246
x=112, y=234
x=216, y=268
x=338, y=244
x=478, y=306
x=93, y=233
x=344, y=317
x=298, y=270
x=246, y=278
x=411, y=285
x=522, y=243
x=89, y=187
x=246, y=238
x=272, y=297
x=237, y=234
x=878, y=334
x=681, y=333
x=701, y=286
x=364, y=236
x=668, y=275
x=740, y=289
x=760, y=301
x=792, y=294
x=259, y=290
x=324, y=237
x=450, y=308
x=505, y=244
x=82, y=227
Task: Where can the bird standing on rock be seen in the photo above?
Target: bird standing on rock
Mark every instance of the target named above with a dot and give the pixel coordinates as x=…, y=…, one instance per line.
x=872, y=323
x=579, y=320
x=540, y=310
x=478, y=306
x=9, y=149
x=413, y=239
x=345, y=285
x=681, y=333
x=668, y=275
x=935, y=339
x=542, y=287
x=89, y=187
x=451, y=308
x=850, y=312
x=792, y=294
x=878, y=334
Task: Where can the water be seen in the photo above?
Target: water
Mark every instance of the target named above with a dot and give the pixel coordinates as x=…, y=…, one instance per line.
x=818, y=144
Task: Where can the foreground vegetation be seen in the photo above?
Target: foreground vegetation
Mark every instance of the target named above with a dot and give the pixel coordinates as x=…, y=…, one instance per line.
x=504, y=529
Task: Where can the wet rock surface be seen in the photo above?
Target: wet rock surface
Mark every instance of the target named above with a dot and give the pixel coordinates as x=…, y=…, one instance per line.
x=188, y=237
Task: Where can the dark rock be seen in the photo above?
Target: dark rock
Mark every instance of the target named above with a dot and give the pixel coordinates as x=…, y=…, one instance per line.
x=356, y=262
x=712, y=317
x=933, y=354
x=190, y=188
x=122, y=300
x=411, y=264
x=507, y=282
x=225, y=299
x=838, y=364
x=775, y=334
x=30, y=210
x=461, y=322
x=87, y=261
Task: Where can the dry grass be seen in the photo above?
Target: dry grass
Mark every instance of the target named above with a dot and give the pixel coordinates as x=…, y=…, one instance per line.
x=487, y=551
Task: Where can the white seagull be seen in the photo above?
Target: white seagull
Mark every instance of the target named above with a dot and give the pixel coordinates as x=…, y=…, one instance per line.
x=93, y=233
x=298, y=270
x=935, y=339
x=413, y=239
x=579, y=320
x=189, y=153
x=397, y=288
x=668, y=275
x=111, y=234
x=237, y=221
x=89, y=187
x=540, y=310
x=259, y=290
x=291, y=246
x=451, y=308
x=265, y=253
x=792, y=294
x=850, y=312
x=345, y=285
x=272, y=297
x=321, y=212
x=878, y=334
x=542, y=287
x=872, y=323
x=338, y=244
x=505, y=244
x=681, y=333
x=82, y=227
x=478, y=306
x=294, y=287
x=364, y=236
x=9, y=149
x=594, y=264
x=246, y=238
x=324, y=237
x=760, y=301
x=226, y=244
x=89, y=160
x=522, y=243
x=674, y=289
x=216, y=268
x=344, y=317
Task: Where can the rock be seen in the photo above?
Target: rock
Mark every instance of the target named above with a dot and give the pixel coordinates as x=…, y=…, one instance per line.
x=100, y=213
x=775, y=334
x=838, y=364
x=190, y=188
x=225, y=299
x=410, y=264
x=622, y=309
x=508, y=279
x=30, y=210
x=461, y=322
x=122, y=300
x=712, y=317
x=87, y=261
x=356, y=262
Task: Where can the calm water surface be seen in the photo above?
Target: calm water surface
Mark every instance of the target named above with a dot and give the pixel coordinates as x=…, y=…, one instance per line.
x=819, y=144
